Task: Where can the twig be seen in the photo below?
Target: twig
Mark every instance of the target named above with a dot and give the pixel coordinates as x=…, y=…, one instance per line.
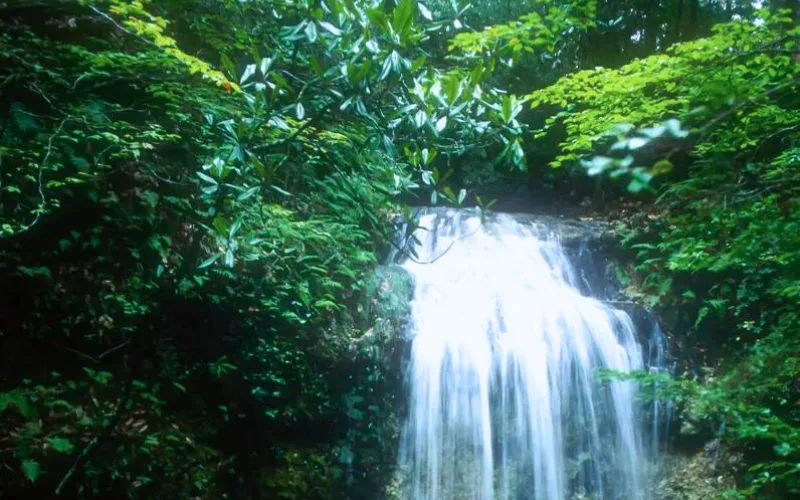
x=113, y=349
x=41, y=169
x=97, y=440
x=770, y=136
x=41, y=92
x=42, y=164
x=98, y=358
x=741, y=105
x=446, y=250
x=702, y=132
x=119, y=26
x=81, y=457
x=79, y=353
x=286, y=140
x=168, y=181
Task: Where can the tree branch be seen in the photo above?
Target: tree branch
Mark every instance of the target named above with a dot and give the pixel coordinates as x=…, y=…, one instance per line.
x=40, y=181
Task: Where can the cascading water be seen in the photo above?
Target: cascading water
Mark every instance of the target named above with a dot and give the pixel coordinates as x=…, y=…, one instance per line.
x=504, y=397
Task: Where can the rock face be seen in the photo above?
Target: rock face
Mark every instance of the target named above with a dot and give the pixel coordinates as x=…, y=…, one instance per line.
x=590, y=244
x=705, y=474
x=570, y=232
x=387, y=297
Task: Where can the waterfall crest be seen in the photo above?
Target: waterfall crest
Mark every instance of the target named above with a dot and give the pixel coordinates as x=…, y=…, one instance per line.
x=504, y=401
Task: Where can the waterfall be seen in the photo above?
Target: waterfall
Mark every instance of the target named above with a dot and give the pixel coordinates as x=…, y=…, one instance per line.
x=504, y=398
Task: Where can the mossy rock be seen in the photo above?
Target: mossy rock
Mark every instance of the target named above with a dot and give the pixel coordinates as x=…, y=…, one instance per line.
x=387, y=293
x=386, y=303
x=707, y=474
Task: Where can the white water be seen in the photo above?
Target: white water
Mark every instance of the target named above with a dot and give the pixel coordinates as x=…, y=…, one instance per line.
x=505, y=401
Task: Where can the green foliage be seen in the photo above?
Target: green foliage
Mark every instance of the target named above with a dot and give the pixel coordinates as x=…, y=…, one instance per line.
x=192, y=195
x=532, y=32
x=743, y=64
x=713, y=125
x=31, y=469
x=176, y=303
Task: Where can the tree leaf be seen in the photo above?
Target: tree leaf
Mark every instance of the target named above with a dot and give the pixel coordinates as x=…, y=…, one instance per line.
x=420, y=117
x=425, y=12
x=441, y=123
x=518, y=155
x=402, y=18
x=209, y=261
x=598, y=165
x=207, y=178
x=637, y=142
x=281, y=190
x=331, y=28
x=311, y=32
x=265, y=64
x=61, y=445
x=249, y=71
x=31, y=470
x=387, y=68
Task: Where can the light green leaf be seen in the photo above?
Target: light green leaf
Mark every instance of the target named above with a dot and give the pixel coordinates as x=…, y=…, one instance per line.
x=207, y=178
x=425, y=12
x=61, y=445
x=331, y=28
x=265, y=64
x=420, y=118
x=209, y=261
x=636, y=142
x=311, y=31
x=441, y=123
x=249, y=71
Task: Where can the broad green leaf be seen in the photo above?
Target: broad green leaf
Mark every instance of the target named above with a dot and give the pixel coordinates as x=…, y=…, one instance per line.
x=249, y=71
x=209, y=261
x=311, y=31
x=31, y=470
x=518, y=155
x=61, y=445
x=403, y=16
x=598, y=165
x=265, y=64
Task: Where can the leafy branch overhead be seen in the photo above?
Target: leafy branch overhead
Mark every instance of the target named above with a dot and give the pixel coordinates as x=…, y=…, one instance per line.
x=702, y=85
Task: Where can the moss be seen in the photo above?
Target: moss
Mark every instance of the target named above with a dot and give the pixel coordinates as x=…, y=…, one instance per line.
x=387, y=294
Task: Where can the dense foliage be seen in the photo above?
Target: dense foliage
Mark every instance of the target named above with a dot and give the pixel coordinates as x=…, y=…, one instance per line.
x=716, y=124
x=194, y=196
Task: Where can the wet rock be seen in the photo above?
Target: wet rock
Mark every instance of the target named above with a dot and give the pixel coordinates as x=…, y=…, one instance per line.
x=705, y=474
x=570, y=231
